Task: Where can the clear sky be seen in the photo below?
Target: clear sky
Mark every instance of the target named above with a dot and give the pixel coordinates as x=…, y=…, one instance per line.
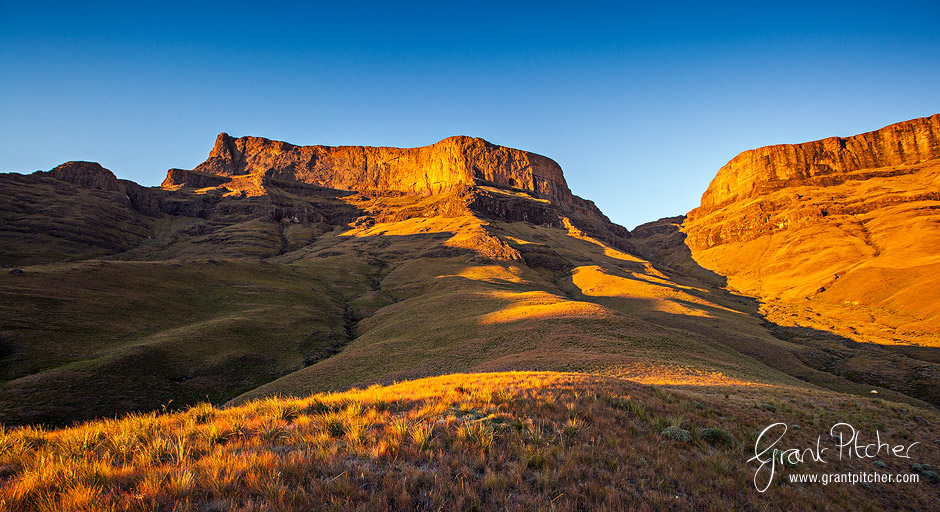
x=640, y=103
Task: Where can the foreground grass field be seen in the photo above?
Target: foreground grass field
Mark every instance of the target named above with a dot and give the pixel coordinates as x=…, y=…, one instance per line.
x=508, y=441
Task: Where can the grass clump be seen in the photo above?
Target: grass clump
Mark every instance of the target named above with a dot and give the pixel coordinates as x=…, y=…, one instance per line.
x=676, y=434
x=716, y=436
x=635, y=408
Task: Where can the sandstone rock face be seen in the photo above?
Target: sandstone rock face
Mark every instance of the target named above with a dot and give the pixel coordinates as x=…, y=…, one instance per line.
x=758, y=171
x=192, y=179
x=452, y=162
x=838, y=234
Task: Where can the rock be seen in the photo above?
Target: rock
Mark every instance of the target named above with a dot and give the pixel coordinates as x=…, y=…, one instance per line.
x=16, y=272
x=787, y=165
x=880, y=464
x=86, y=174
x=921, y=420
x=452, y=162
x=192, y=179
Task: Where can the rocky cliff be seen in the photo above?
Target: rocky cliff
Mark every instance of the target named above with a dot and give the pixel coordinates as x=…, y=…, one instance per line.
x=838, y=234
x=825, y=161
x=440, y=167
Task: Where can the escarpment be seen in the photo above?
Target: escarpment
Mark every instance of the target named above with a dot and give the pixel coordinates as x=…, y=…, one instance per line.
x=773, y=188
x=824, y=162
x=440, y=167
x=834, y=233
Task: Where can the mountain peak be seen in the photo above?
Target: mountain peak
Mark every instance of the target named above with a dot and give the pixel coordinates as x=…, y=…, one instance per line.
x=451, y=162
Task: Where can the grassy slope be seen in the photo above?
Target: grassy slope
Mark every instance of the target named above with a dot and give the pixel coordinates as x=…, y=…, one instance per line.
x=507, y=441
x=866, y=271
x=608, y=313
x=113, y=336
x=43, y=219
x=414, y=291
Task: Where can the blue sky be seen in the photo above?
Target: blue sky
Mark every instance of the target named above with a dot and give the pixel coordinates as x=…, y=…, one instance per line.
x=641, y=104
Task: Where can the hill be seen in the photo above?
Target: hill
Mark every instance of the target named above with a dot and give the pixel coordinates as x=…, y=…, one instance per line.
x=255, y=275
x=507, y=441
x=843, y=227
x=837, y=240
x=460, y=330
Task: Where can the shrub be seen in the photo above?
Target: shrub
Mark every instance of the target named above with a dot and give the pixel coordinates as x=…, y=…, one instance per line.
x=676, y=434
x=716, y=436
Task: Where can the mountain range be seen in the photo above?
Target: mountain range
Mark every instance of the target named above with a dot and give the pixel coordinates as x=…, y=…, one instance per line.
x=450, y=327
x=279, y=269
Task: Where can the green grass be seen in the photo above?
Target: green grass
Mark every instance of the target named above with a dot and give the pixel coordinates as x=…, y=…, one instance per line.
x=134, y=335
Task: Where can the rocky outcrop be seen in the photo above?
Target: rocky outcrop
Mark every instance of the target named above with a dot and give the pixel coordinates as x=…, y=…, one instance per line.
x=87, y=175
x=450, y=163
x=769, y=168
x=756, y=193
x=192, y=179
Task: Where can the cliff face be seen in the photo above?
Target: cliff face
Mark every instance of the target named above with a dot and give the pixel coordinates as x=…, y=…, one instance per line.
x=832, y=233
x=450, y=163
x=769, y=168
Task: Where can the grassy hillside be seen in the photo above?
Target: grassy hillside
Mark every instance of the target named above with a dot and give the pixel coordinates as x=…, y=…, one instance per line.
x=508, y=441
x=411, y=287
x=94, y=338
x=857, y=258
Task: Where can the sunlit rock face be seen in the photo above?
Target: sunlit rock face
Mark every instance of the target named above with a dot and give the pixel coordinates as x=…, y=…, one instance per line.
x=833, y=233
x=822, y=162
x=450, y=163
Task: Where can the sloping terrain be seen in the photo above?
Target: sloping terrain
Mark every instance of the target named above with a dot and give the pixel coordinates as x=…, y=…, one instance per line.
x=260, y=273
x=493, y=441
x=838, y=234
x=838, y=241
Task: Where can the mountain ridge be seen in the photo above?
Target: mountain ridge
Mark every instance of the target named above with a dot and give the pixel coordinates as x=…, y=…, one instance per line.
x=771, y=167
x=344, y=280
x=452, y=162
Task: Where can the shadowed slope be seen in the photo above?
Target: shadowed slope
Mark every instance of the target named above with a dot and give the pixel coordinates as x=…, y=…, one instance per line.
x=835, y=251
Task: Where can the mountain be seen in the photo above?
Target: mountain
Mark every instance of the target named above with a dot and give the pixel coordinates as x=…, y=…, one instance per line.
x=843, y=227
x=463, y=331
x=279, y=269
x=261, y=278
x=837, y=239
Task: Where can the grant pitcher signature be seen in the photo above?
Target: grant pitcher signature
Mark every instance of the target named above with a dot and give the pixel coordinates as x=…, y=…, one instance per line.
x=847, y=440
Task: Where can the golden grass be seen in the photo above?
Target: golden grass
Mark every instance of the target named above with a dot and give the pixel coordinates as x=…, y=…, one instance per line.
x=542, y=305
x=509, y=441
x=867, y=269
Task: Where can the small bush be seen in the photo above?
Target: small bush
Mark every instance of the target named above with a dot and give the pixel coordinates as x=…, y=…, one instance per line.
x=573, y=427
x=202, y=413
x=421, y=435
x=716, y=436
x=676, y=434
x=335, y=427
